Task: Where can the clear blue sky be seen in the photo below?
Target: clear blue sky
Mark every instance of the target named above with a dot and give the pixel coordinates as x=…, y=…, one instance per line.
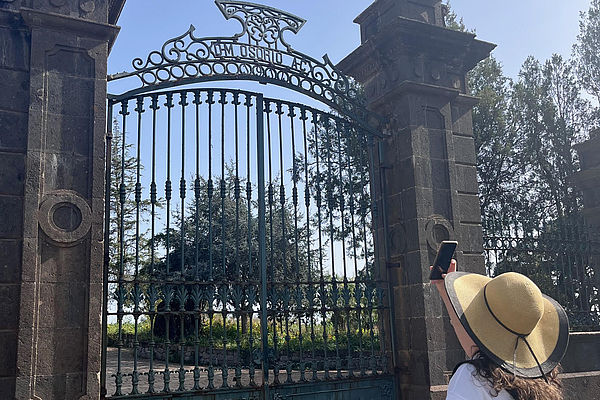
x=522, y=28
x=519, y=28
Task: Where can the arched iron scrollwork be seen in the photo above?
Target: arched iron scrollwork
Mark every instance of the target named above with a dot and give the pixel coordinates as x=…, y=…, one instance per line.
x=260, y=53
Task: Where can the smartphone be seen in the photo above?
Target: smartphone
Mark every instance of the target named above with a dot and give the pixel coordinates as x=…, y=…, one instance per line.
x=443, y=258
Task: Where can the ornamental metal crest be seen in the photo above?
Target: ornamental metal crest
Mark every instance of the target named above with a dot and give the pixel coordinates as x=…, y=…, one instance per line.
x=261, y=23
x=259, y=52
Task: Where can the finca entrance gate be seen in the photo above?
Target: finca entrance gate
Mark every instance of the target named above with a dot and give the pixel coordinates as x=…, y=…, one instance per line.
x=240, y=259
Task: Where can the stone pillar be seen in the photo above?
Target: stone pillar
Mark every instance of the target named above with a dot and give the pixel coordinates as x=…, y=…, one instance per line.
x=588, y=178
x=413, y=72
x=52, y=130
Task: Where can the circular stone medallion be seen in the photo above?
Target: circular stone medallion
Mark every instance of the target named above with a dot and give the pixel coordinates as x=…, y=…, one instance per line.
x=438, y=229
x=65, y=216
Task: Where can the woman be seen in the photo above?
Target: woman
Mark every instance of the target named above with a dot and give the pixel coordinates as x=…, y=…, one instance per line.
x=513, y=335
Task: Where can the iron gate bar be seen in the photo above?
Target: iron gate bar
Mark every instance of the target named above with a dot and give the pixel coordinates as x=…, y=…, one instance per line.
x=285, y=300
x=260, y=147
x=153, y=193
x=248, y=104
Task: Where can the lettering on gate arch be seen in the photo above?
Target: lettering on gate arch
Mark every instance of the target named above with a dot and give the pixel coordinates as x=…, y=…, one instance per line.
x=247, y=52
x=259, y=52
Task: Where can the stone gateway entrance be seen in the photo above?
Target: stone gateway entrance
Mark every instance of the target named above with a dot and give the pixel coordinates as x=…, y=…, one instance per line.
x=240, y=232
x=219, y=241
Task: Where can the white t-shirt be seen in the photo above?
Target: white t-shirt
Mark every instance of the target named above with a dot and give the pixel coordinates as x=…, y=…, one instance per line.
x=466, y=384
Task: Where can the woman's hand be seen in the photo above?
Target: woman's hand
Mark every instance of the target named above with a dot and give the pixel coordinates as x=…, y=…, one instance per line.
x=452, y=268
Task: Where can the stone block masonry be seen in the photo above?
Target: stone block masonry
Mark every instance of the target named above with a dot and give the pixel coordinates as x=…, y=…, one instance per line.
x=52, y=129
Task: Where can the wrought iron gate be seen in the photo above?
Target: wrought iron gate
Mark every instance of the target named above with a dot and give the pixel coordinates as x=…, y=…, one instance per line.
x=240, y=258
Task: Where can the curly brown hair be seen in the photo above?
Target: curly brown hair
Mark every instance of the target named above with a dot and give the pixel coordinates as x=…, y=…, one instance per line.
x=518, y=388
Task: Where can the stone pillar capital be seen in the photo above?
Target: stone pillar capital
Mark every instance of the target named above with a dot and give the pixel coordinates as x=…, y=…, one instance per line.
x=36, y=19
x=406, y=50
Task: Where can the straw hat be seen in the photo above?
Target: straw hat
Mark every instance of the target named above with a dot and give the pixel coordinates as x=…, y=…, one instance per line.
x=512, y=322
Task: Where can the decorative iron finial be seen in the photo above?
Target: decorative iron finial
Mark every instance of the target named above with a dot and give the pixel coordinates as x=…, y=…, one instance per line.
x=262, y=24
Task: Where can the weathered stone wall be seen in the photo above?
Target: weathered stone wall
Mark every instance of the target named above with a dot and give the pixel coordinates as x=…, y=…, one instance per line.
x=14, y=107
x=52, y=127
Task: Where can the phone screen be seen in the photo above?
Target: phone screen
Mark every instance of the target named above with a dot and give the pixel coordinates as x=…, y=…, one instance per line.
x=443, y=258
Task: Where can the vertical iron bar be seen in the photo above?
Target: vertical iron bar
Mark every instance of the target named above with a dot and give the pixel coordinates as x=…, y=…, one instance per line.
x=260, y=159
x=322, y=288
x=236, y=183
x=310, y=292
x=223, y=101
x=121, y=282
x=346, y=291
x=271, y=278
x=225, y=279
x=287, y=294
x=211, y=373
x=197, y=300
x=370, y=278
x=138, y=198
x=298, y=296
x=331, y=208
x=211, y=343
x=357, y=283
x=154, y=107
x=182, y=289
x=285, y=289
x=238, y=279
x=251, y=275
x=168, y=187
x=182, y=183
x=248, y=104
x=167, y=288
x=197, y=102
x=279, y=112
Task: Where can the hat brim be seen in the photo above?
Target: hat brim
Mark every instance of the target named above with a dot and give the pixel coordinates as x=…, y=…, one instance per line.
x=548, y=340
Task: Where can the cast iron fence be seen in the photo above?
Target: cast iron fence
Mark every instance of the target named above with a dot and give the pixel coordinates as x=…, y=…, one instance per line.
x=562, y=257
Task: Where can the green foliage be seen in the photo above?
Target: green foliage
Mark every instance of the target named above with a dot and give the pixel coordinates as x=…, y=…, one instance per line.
x=128, y=329
x=587, y=49
x=525, y=130
x=452, y=20
x=524, y=134
x=496, y=141
x=550, y=116
x=232, y=334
